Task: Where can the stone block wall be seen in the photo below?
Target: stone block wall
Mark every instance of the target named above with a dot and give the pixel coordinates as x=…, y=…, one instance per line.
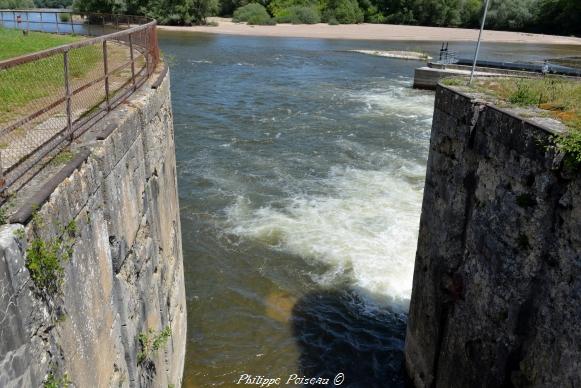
x=496, y=298
x=125, y=275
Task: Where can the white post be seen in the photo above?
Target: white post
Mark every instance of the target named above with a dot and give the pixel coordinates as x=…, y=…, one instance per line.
x=478, y=43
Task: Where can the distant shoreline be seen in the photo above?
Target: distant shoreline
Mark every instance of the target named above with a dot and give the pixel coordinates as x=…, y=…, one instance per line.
x=386, y=32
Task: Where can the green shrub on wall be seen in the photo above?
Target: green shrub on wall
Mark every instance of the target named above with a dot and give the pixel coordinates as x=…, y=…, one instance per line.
x=45, y=259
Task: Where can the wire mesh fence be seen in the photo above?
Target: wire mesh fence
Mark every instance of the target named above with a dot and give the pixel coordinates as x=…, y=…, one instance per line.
x=50, y=97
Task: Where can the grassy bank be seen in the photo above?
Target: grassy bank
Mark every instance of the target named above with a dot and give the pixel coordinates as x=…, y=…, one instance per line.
x=28, y=87
x=554, y=97
x=13, y=43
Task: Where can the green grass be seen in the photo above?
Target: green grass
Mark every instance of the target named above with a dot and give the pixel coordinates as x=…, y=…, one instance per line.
x=62, y=158
x=560, y=98
x=13, y=43
x=22, y=85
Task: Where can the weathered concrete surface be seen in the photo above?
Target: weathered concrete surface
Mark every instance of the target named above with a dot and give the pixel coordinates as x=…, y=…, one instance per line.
x=428, y=77
x=125, y=275
x=496, y=298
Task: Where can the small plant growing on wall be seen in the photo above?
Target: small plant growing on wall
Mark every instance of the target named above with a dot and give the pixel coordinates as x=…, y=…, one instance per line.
x=150, y=342
x=53, y=381
x=45, y=258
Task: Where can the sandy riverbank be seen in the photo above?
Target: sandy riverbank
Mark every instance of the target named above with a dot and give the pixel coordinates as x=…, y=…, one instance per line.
x=374, y=32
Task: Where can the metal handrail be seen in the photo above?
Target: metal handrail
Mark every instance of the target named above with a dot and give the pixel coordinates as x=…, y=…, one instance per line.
x=135, y=47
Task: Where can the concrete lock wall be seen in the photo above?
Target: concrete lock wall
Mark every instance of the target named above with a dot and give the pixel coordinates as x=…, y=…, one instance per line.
x=496, y=297
x=125, y=275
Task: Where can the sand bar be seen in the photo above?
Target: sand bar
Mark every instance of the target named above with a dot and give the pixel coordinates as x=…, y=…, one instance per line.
x=374, y=32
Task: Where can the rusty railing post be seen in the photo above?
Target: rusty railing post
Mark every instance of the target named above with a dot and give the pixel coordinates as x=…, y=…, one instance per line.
x=68, y=94
x=147, y=59
x=2, y=180
x=106, y=70
x=140, y=41
x=72, y=24
x=132, y=61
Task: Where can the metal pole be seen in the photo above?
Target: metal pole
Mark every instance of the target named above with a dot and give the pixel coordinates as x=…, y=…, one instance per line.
x=56, y=16
x=478, y=43
x=2, y=181
x=132, y=61
x=72, y=24
x=68, y=95
x=106, y=69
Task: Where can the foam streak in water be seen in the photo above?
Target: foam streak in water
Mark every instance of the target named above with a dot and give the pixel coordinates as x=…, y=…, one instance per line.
x=366, y=228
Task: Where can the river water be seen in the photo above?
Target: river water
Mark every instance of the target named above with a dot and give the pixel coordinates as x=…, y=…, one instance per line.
x=301, y=167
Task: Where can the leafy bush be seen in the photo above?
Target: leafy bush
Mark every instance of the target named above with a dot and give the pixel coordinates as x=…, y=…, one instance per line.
x=183, y=12
x=253, y=13
x=332, y=21
x=345, y=11
x=523, y=95
x=278, y=7
x=299, y=15
x=65, y=17
x=53, y=3
x=570, y=144
x=561, y=17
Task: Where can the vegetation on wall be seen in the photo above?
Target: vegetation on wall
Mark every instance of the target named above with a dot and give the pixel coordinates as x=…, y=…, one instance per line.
x=45, y=258
x=54, y=381
x=150, y=342
x=554, y=97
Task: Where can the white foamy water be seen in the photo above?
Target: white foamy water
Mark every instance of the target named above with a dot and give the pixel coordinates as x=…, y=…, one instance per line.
x=365, y=228
x=399, y=100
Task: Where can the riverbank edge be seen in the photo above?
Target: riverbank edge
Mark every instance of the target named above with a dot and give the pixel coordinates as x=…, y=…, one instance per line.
x=378, y=32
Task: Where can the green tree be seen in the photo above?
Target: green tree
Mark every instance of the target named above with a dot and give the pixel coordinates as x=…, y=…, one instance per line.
x=559, y=16
x=510, y=15
x=343, y=11
x=253, y=13
x=100, y=6
x=172, y=12
x=53, y=3
x=298, y=14
x=277, y=6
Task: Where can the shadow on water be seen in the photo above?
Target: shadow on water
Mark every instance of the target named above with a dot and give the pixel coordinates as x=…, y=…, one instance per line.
x=336, y=334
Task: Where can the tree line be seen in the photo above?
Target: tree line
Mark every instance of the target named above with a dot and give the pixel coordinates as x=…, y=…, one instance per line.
x=547, y=16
